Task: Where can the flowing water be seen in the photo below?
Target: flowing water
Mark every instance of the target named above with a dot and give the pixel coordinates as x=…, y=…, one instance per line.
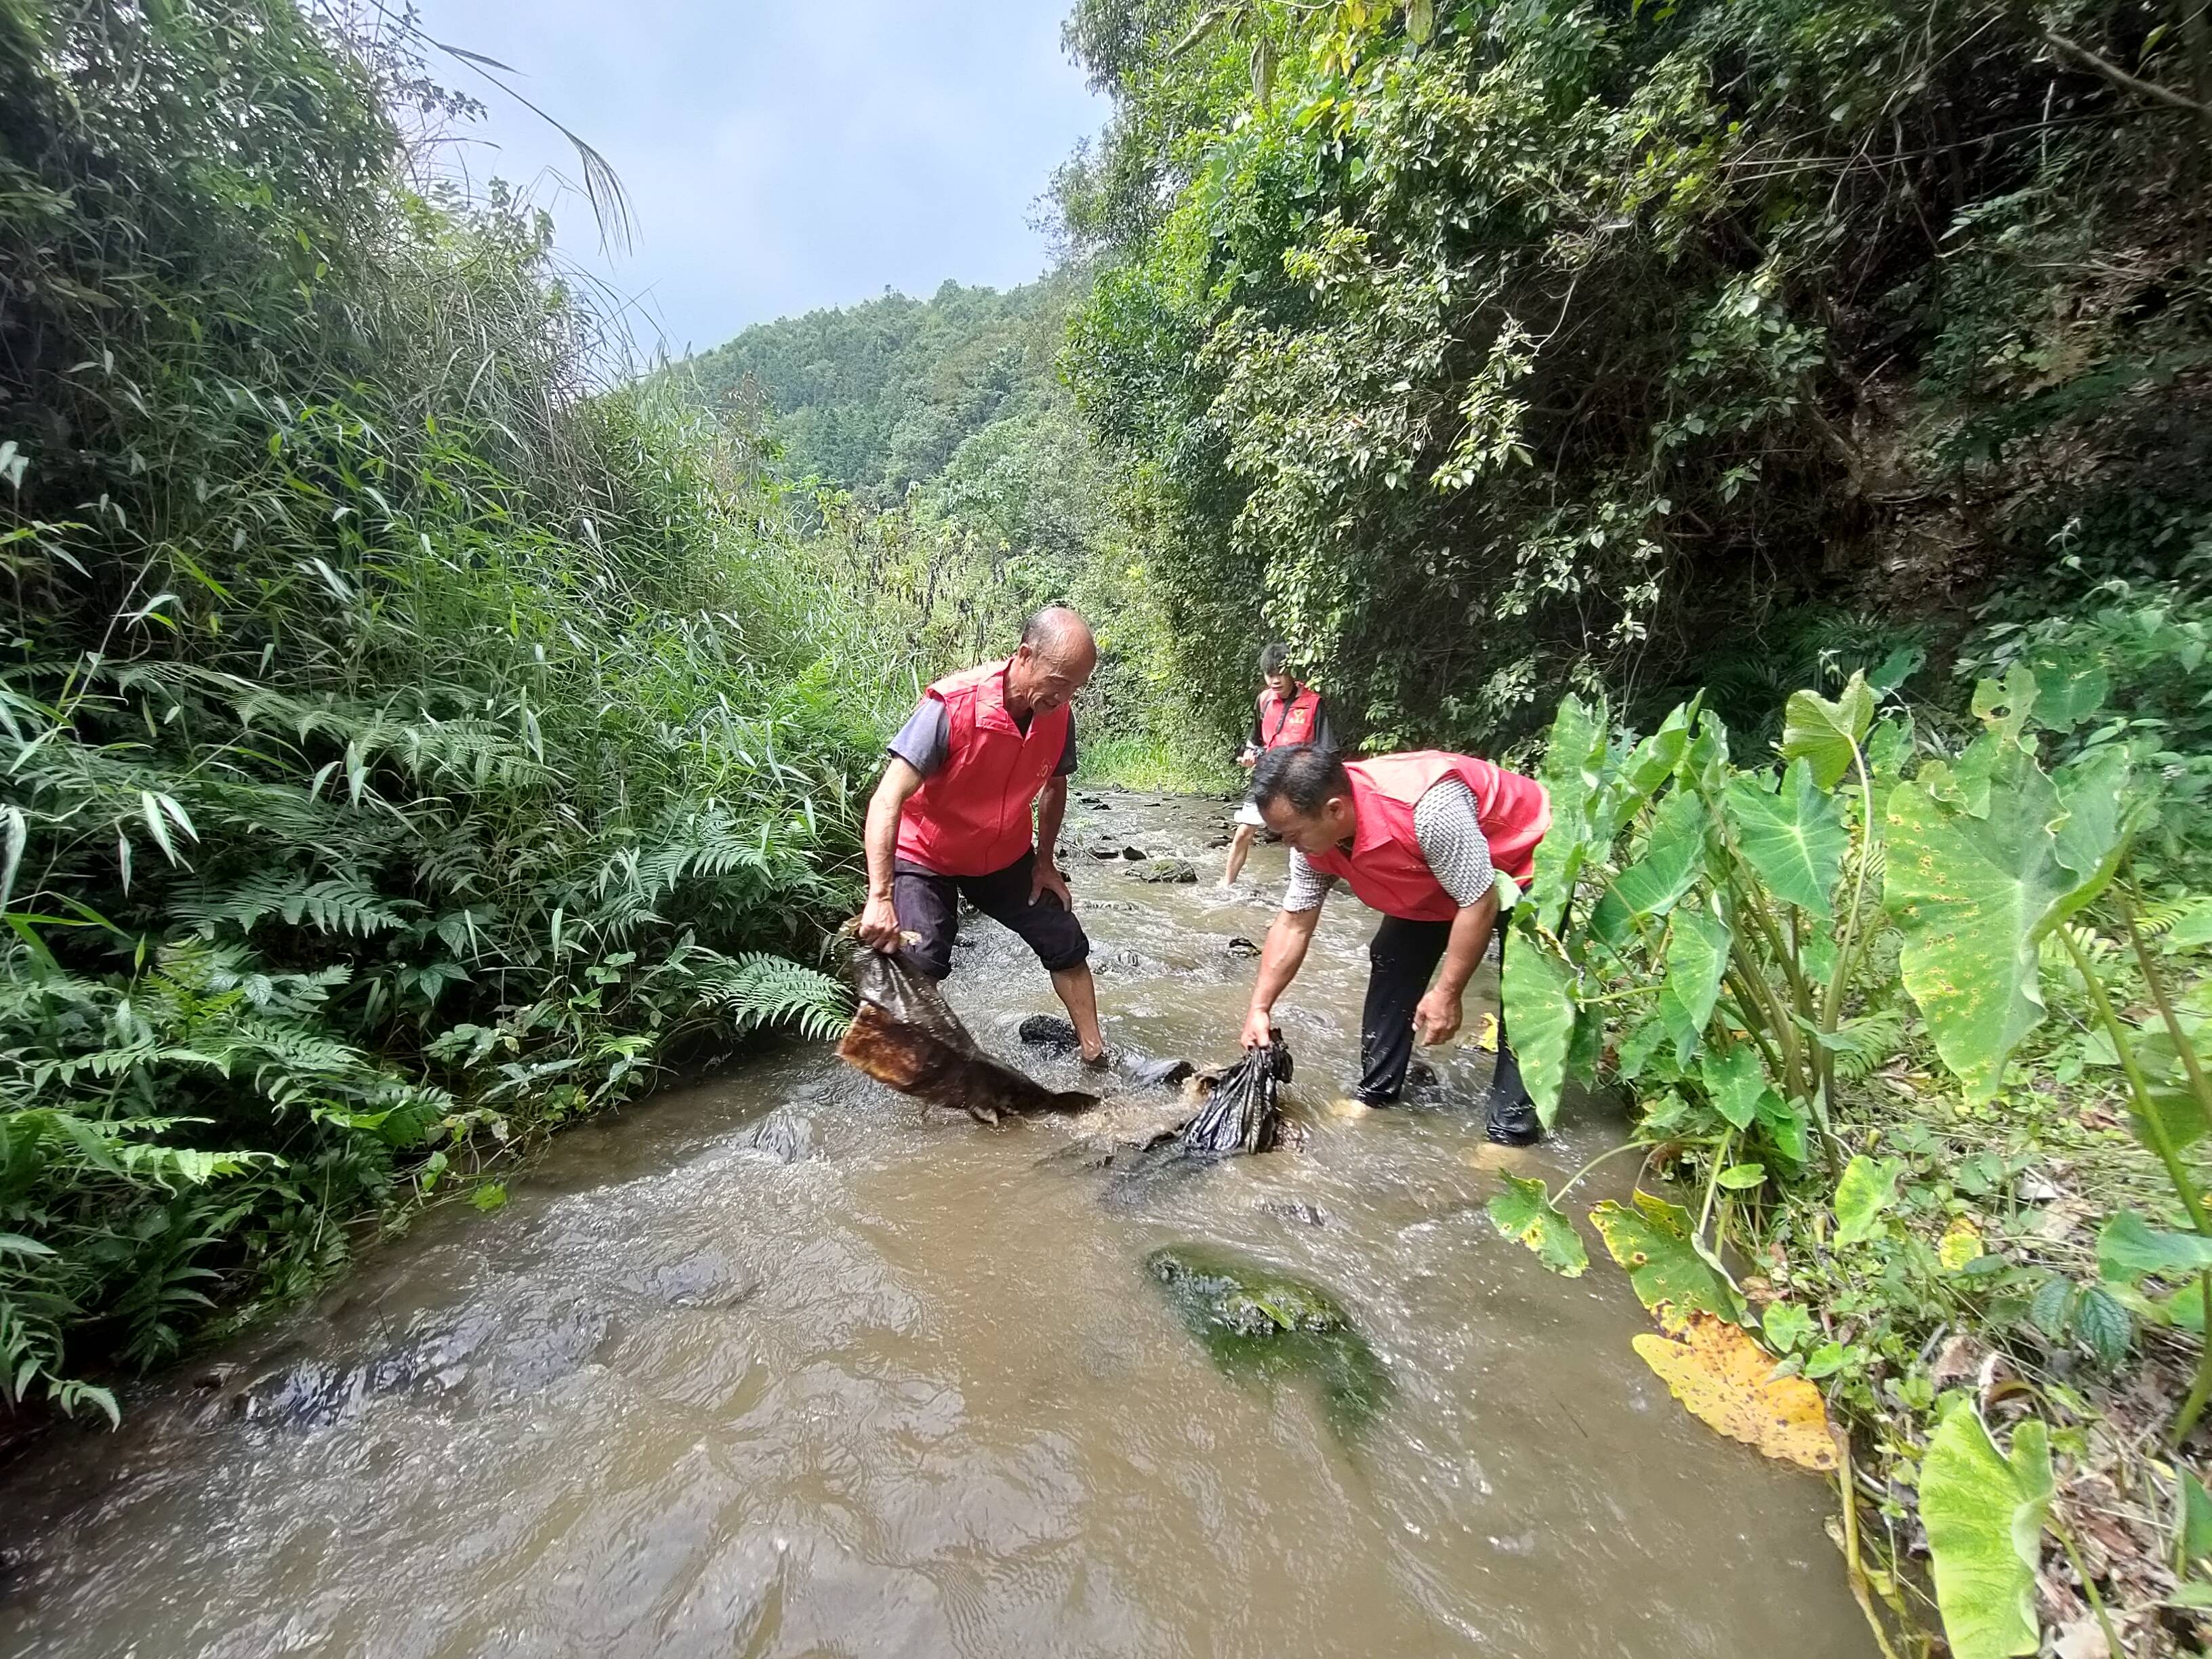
x=784, y=1364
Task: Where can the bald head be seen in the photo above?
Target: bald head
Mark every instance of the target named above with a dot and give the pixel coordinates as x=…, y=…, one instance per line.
x=1053, y=661
x=1060, y=636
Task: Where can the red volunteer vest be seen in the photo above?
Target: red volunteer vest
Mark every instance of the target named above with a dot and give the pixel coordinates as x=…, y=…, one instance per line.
x=1385, y=867
x=971, y=816
x=1284, y=725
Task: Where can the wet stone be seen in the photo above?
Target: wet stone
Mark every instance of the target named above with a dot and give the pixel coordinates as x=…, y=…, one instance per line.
x=1173, y=872
x=1294, y=1210
x=784, y=1137
x=1256, y=1320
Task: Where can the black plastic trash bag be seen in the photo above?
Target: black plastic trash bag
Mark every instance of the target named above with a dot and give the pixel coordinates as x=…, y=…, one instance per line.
x=904, y=1036
x=1242, y=1114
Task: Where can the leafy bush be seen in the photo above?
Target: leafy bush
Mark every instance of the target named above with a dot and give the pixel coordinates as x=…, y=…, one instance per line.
x=406, y=746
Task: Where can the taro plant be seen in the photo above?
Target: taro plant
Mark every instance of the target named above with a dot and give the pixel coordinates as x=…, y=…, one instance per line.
x=1720, y=924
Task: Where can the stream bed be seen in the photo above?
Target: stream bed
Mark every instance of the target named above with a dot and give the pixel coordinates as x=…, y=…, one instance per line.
x=783, y=1363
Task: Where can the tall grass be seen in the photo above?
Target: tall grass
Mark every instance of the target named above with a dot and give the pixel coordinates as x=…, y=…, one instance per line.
x=404, y=747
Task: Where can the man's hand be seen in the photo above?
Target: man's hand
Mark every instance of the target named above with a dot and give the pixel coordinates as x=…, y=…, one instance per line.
x=1259, y=1028
x=1249, y=758
x=1047, y=879
x=1435, y=1019
x=879, y=924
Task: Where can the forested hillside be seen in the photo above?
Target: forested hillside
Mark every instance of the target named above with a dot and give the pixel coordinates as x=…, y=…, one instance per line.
x=938, y=440
x=879, y=396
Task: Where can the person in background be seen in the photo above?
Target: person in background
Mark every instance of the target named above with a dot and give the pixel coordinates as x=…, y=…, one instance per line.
x=952, y=816
x=1419, y=837
x=1287, y=714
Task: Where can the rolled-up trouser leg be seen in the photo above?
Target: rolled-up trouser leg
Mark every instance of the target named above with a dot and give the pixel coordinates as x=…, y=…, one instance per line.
x=928, y=905
x=1400, y=957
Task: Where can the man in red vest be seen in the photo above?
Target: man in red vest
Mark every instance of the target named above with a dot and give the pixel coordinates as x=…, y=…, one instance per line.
x=951, y=816
x=1419, y=837
x=1286, y=714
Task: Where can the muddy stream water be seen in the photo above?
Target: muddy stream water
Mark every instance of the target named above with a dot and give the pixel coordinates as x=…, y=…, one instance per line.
x=783, y=1363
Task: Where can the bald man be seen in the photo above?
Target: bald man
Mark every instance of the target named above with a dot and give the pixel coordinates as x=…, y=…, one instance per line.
x=970, y=804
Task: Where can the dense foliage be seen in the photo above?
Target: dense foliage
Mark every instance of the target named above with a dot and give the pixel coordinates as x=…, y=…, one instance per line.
x=403, y=748
x=938, y=446
x=1486, y=349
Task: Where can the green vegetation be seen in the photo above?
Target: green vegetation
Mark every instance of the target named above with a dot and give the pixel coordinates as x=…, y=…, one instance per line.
x=404, y=750
x=1763, y=955
x=414, y=743
x=940, y=448
x=1832, y=374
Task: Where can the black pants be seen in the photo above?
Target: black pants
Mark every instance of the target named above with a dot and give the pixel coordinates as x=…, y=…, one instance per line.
x=1400, y=959
x=929, y=904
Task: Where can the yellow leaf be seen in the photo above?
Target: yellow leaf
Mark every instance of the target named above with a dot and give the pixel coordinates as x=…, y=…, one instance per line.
x=1485, y=1034
x=1727, y=1381
x=1961, y=1243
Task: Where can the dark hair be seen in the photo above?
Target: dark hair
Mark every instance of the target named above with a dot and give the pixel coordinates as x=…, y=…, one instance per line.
x=1273, y=659
x=1304, y=774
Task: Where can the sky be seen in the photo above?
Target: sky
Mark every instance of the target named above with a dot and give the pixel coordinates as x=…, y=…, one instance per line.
x=780, y=154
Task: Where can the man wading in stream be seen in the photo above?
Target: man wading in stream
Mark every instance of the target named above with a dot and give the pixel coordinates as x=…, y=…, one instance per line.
x=951, y=816
x=1419, y=837
x=1286, y=714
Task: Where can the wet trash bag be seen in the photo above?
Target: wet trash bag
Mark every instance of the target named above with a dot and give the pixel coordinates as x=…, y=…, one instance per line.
x=1243, y=1114
x=904, y=1036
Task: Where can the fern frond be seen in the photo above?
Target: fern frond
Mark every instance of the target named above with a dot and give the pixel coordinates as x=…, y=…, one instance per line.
x=759, y=989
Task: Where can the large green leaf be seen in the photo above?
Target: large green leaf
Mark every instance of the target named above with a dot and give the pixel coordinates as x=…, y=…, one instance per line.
x=1653, y=1240
x=1785, y=1123
x=2068, y=691
x=2005, y=705
x=1697, y=958
x=1734, y=1078
x=1826, y=734
x=1674, y=858
x=1795, y=841
x=1972, y=895
x=1539, y=996
x=2092, y=838
x=1573, y=767
x=2130, y=1247
x=2196, y=1541
x=1652, y=760
x=1524, y=1211
x=1863, y=1196
x=1983, y=1515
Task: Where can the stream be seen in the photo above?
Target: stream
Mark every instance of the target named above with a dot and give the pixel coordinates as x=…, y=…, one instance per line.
x=782, y=1364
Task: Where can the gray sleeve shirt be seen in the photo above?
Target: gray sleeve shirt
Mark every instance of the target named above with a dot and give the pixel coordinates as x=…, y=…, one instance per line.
x=923, y=742
x=1449, y=830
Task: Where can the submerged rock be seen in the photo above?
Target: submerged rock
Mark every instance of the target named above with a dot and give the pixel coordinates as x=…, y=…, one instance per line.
x=1173, y=872
x=1257, y=1321
x=783, y=1136
x=1055, y=1035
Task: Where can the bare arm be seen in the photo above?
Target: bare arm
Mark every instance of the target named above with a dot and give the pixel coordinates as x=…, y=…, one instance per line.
x=880, y=920
x=1438, y=1016
x=1285, y=953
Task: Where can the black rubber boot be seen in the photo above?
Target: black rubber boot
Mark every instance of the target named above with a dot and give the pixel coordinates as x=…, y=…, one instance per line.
x=1514, y=1123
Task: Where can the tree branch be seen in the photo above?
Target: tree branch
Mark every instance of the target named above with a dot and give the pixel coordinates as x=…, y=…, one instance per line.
x=2120, y=78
